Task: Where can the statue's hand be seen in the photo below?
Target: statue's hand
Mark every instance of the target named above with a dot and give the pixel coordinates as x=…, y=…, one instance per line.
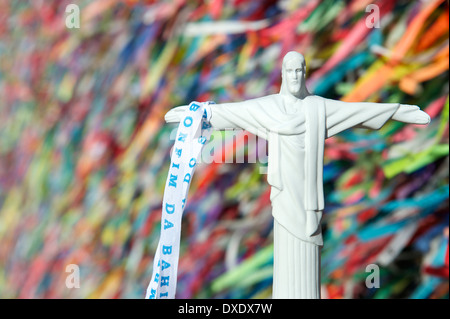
x=312, y=223
x=411, y=114
x=423, y=118
x=175, y=114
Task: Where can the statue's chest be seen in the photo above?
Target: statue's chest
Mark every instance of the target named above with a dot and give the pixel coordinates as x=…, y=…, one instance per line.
x=297, y=140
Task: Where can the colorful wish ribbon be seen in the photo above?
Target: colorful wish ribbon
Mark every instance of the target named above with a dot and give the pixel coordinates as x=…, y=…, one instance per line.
x=193, y=132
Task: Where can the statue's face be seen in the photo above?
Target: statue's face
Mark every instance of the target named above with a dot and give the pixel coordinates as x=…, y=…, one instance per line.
x=294, y=72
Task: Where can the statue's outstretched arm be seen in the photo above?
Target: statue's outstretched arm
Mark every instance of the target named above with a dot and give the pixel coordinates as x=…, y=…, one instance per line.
x=344, y=115
x=411, y=114
x=244, y=115
x=223, y=116
x=175, y=114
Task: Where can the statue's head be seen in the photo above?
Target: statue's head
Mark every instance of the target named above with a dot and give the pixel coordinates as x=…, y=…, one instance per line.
x=293, y=74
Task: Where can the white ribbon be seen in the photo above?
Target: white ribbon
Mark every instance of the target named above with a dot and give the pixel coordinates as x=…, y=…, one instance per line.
x=193, y=132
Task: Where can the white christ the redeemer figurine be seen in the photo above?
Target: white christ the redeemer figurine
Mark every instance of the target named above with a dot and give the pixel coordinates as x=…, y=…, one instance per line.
x=296, y=124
